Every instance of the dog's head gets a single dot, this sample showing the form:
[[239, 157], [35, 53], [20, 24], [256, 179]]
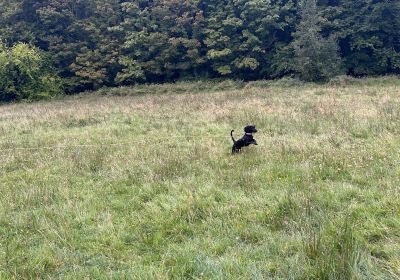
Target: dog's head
[[250, 129]]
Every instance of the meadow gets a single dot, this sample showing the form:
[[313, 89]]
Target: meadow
[[139, 183]]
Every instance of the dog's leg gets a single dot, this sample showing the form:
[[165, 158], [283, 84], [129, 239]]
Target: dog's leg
[[235, 149]]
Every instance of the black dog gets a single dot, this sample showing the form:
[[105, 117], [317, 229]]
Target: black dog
[[246, 140]]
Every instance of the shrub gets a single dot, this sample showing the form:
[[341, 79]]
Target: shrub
[[24, 74]]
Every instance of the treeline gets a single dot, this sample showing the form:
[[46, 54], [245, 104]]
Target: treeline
[[95, 43]]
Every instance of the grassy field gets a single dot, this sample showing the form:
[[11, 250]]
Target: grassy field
[[139, 183]]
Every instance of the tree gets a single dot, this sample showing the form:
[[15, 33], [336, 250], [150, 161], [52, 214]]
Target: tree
[[316, 58], [242, 36], [161, 40], [94, 43], [25, 75], [77, 35], [368, 33]]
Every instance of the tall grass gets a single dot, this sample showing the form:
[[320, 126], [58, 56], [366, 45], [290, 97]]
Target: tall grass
[[142, 185]]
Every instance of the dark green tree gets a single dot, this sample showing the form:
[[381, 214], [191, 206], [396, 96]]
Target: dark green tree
[[78, 37], [242, 36], [160, 40], [315, 58], [368, 32]]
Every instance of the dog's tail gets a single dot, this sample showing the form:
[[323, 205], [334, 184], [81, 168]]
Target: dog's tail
[[233, 139]]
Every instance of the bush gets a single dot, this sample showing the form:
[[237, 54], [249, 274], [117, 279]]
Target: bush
[[24, 74]]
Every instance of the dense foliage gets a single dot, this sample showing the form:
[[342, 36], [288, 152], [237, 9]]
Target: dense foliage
[[25, 75], [119, 42], [315, 58]]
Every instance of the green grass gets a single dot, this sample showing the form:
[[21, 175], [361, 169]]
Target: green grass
[[139, 183]]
